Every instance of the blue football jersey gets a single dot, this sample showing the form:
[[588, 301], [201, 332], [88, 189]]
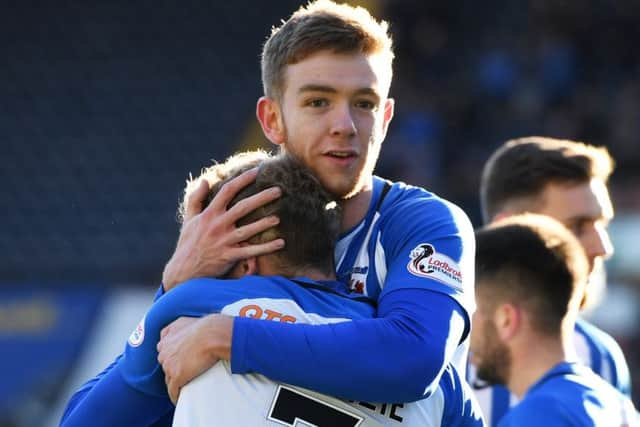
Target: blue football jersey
[[268, 298], [571, 395], [410, 238]]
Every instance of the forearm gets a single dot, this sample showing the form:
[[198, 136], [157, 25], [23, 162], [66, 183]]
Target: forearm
[[111, 401], [77, 397], [397, 357]]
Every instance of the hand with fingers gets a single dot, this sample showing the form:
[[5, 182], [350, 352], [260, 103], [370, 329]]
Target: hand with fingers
[[188, 347], [210, 243]]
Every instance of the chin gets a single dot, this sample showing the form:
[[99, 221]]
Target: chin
[[342, 190], [346, 195], [490, 375]]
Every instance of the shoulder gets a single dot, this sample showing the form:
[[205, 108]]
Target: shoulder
[[198, 297], [602, 353], [404, 194], [407, 203], [596, 336], [538, 410]]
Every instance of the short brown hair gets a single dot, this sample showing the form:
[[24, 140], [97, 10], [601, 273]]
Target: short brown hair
[[310, 218], [321, 25], [534, 261], [521, 168], [233, 166]]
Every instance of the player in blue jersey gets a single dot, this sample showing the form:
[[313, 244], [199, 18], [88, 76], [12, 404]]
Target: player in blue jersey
[[566, 180], [326, 76], [132, 391], [531, 272]]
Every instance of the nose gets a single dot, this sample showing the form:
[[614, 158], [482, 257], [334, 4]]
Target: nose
[[597, 243], [342, 121]]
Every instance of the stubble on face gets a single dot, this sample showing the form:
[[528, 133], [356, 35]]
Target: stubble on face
[[349, 186], [494, 359], [309, 134]]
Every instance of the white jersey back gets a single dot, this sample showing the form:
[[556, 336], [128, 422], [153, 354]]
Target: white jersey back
[[218, 398]]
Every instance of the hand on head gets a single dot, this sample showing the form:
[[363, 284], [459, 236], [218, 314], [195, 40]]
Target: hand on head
[[209, 242]]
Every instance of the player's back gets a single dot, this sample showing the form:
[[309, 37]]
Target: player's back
[[572, 395], [219, 398]]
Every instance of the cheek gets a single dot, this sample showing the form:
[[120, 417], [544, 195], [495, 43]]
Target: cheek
[[301, 134], [476, 336], [372, 128]]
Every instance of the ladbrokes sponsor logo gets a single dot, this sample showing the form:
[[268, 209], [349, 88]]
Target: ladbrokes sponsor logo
[[426, 262]]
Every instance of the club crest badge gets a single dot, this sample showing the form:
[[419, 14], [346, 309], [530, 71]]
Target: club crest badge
[[137, 336], [424, 261]]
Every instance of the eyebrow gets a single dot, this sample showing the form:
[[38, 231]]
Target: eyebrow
[[329, 89], [316, 88], [587, 218]]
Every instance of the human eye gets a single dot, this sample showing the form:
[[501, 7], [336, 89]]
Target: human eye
[[317, 102], [576, 227], [366, 104]]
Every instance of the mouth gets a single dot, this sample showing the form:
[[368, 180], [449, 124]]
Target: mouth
[[341, 154]]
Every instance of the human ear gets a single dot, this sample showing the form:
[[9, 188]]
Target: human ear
[[389, 107], [507, 319], [244, 267], [269, 115], [249, 266]]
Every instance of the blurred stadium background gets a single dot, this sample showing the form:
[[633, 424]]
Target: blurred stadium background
[[106, 107]]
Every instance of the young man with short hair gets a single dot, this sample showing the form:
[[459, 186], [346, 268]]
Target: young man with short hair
[[566, 180], [531, 272], [327, 72]]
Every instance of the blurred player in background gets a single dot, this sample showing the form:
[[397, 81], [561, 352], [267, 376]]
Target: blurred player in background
[[133, 392], [531, 273], [326, 75], [566, 180]]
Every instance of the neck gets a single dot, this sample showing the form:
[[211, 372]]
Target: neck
[[533, 357], [355, 208], [315, 274], [266, 266]]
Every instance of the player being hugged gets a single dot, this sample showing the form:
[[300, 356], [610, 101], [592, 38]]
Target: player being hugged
[[296, 286]]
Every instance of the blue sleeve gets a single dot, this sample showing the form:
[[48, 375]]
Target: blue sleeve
[[137, 372], [432, 248], [461, 407], [195, 298], [396, 357], [159, 293], [110, 401], [85, 388]]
